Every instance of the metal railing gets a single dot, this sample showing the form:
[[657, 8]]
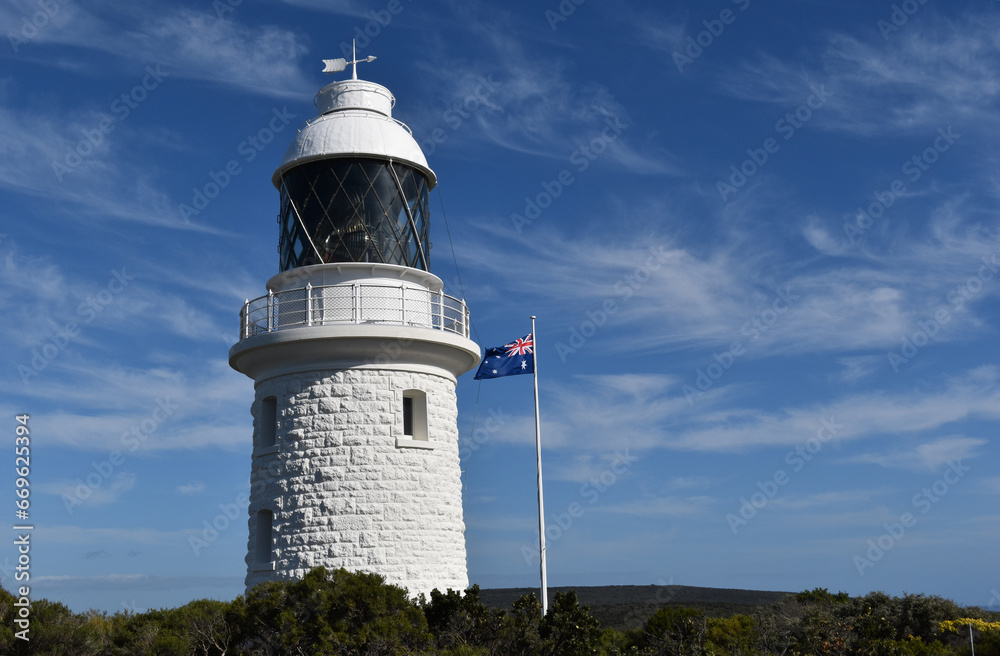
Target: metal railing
[[354, 303]]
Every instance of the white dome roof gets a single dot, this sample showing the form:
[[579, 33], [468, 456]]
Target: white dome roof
[[357, 123]]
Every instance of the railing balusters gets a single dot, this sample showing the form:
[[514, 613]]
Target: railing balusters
[[440, 307], [402, 303], [309, 313], [270, 310]]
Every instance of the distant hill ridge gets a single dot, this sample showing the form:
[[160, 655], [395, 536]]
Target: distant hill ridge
[[619, 595]]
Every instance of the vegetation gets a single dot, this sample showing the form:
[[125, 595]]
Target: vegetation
[[346, 614]]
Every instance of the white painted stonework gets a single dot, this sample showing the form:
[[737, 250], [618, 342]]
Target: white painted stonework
[[336, 345], [346, 491]]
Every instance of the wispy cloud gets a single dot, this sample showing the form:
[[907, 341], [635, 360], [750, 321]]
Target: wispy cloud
[[196, 44], [975, 394], [71, 534], [654, 31], [54, 585], [535, 106], [712, 298], [191, 489], [857, 368], [660, 418], [140, 411], [927, 456], [109, 492], [107, 184], [351, 8], [940, 72], [40, 300], [670, 506]]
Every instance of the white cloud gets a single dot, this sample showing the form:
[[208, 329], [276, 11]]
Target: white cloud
[[70, 534], [659, 417], [671, 295], [857, 368], [104, 185], [104, 408], [110, 488], [838, 499], [534, 107], [689, 299], [669, 506], [816, 233], [939, 73], [188, 43], [689, 482], [350, 8], [926, 456], [973, 395], [55, 585], [191, 489], [664, 35]]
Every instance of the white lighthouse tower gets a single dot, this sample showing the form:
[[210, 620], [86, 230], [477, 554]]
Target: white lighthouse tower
[[354, 353]]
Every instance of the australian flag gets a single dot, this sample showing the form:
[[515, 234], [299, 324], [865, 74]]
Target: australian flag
[[518, 357]]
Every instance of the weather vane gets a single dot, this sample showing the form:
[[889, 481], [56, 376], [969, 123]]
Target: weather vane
[[337, 65]]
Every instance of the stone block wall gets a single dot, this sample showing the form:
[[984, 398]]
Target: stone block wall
[[341, 491]]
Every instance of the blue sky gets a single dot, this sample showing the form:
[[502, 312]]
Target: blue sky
[[761, 240]]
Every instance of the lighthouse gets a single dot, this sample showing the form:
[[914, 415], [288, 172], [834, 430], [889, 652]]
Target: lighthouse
[[354, 352]]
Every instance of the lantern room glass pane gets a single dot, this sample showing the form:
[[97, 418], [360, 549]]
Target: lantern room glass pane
[[351, 210]]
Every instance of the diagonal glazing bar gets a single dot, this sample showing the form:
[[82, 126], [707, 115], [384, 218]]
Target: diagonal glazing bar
[[302, 223], [409, 217]]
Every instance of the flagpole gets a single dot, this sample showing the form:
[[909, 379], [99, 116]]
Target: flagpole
[[538, 457]]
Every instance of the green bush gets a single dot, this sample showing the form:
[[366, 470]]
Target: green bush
[[675, 631], [353, 614]]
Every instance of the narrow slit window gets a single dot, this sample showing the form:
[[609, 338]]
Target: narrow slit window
[[408, 416], [268, 422], [415, 415], [265, 527]]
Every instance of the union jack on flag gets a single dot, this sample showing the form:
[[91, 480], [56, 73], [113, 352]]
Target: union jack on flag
[[520, 347], [518, 357]]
